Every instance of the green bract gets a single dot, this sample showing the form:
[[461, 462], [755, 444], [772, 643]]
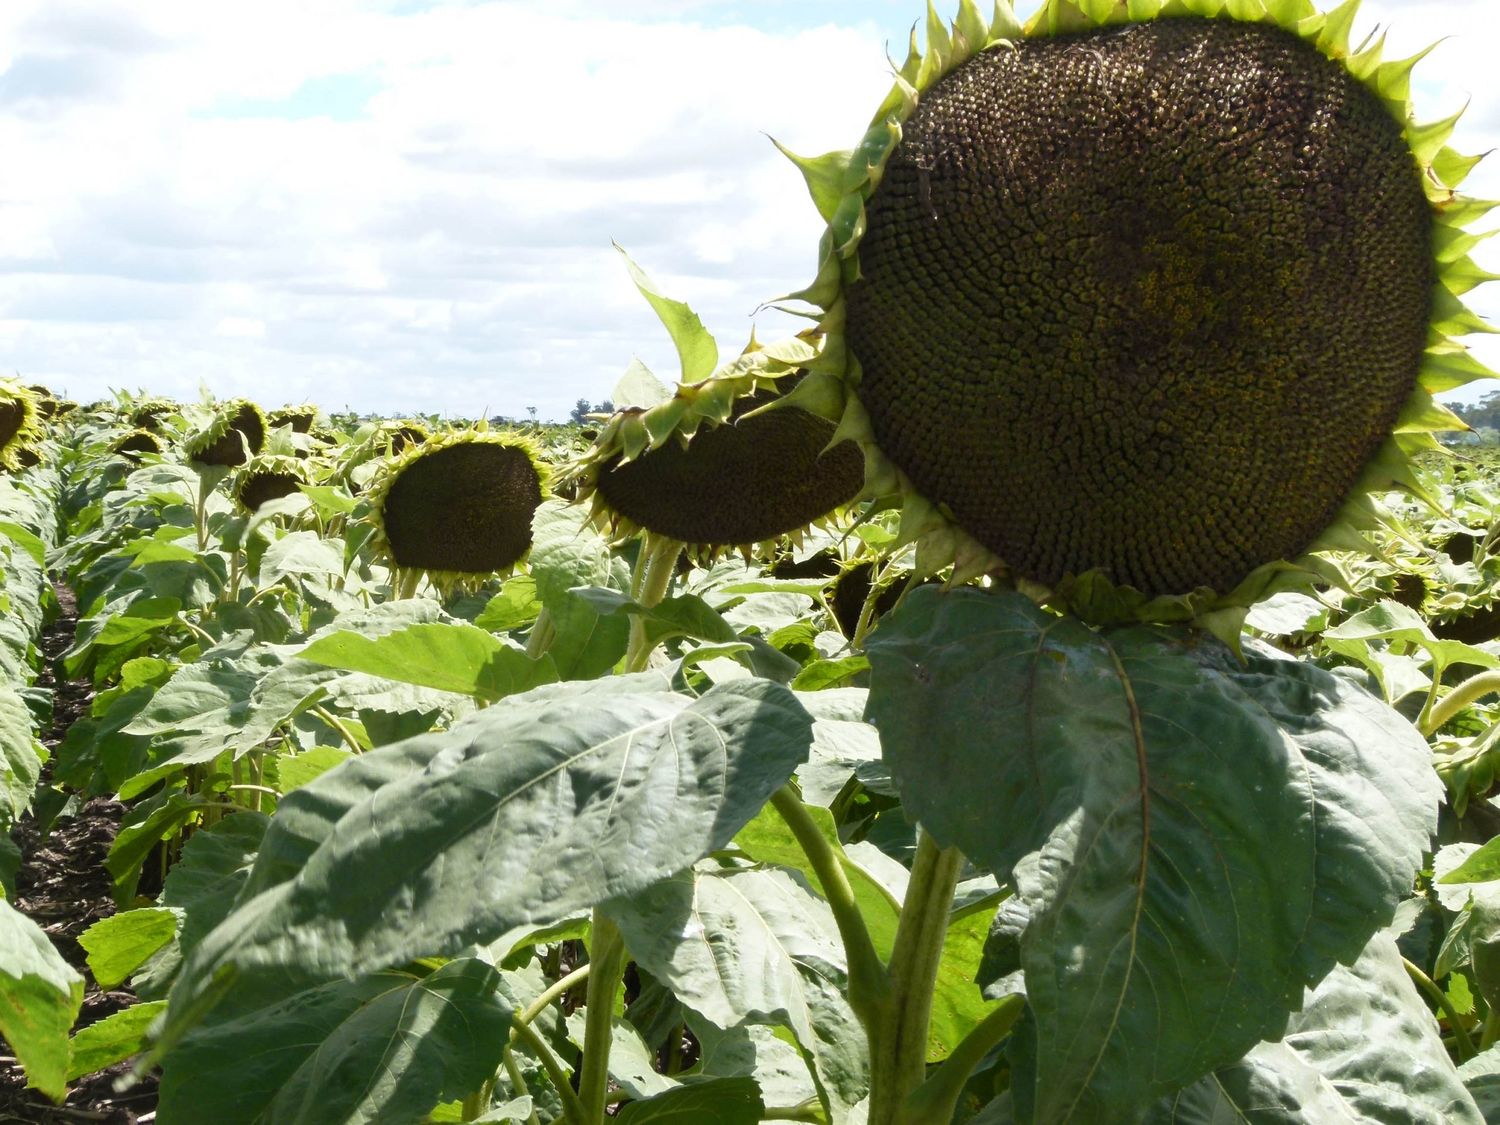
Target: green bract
[[1140, 302]]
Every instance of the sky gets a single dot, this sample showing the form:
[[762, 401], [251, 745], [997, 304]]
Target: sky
[[407, 206]]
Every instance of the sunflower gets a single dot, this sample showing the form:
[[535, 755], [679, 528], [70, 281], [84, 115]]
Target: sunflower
[[758, 475], [234, 435], [457, 508], [20, 425], [299, 419], [137, 441], [1141, 303], [264, 478]]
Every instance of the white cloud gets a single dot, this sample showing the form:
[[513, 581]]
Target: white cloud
[[194, 192]]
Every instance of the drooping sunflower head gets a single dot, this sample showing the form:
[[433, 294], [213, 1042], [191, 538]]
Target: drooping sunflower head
[[269, 476], [458, 507], [148, 415], [137, 441], [20, 424], [299, 419], [234, 434], [404, 435], [1140, 302], [729, 458], [750, 478]]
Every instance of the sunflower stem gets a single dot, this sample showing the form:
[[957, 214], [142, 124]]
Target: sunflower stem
[[653, 577], [1438, 714], [869, 986], [898, 1043], [607, 955]]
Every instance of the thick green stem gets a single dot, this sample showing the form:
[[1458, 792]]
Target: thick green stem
[[1442, 712], [405, 583], [543, 633], [937, 1098], [649, 585], [869, 987], [607, 954], [898, 1046], [866, 620], [1491, 1030], [1466, 1049]]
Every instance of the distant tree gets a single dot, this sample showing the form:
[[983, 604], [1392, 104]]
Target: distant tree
[[532, 411], [581, 410]]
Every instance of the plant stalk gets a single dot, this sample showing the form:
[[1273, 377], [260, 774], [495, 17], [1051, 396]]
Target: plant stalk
[[937, 1098], [1444, 710], [653, 577], [1465, 1045], [607, 955], [898, 1044], [869, 986]]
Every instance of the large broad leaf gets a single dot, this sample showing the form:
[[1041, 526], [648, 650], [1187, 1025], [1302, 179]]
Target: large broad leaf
[[457, 657], [763, 949], [567, 553], [1196, 839], [40, 995], [1364, 1048], [388, 1047], [521, 815]]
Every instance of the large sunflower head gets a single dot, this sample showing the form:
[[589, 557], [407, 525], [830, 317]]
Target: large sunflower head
[[21, 425], [1140, 302], [232, 436], [458, 507]]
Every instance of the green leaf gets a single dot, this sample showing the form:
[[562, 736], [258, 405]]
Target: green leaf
[[567, 553], [514, 607], [1197, 839], [685, 616], [521, 815], [761, 918], [20, 764], [699, 353], [145, 826], [297, 770], [638, 387], [1483, 866], [449, 657], [388, 1047], [214, 865], [122, 943], [1397, 624], [146, 616], [821, 675], [328, 500], [40, 996], [113, 1039], [716, 1101], [26, 540], [1364, 1048]]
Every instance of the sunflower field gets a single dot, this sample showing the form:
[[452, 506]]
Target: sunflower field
[[1059, 685]]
